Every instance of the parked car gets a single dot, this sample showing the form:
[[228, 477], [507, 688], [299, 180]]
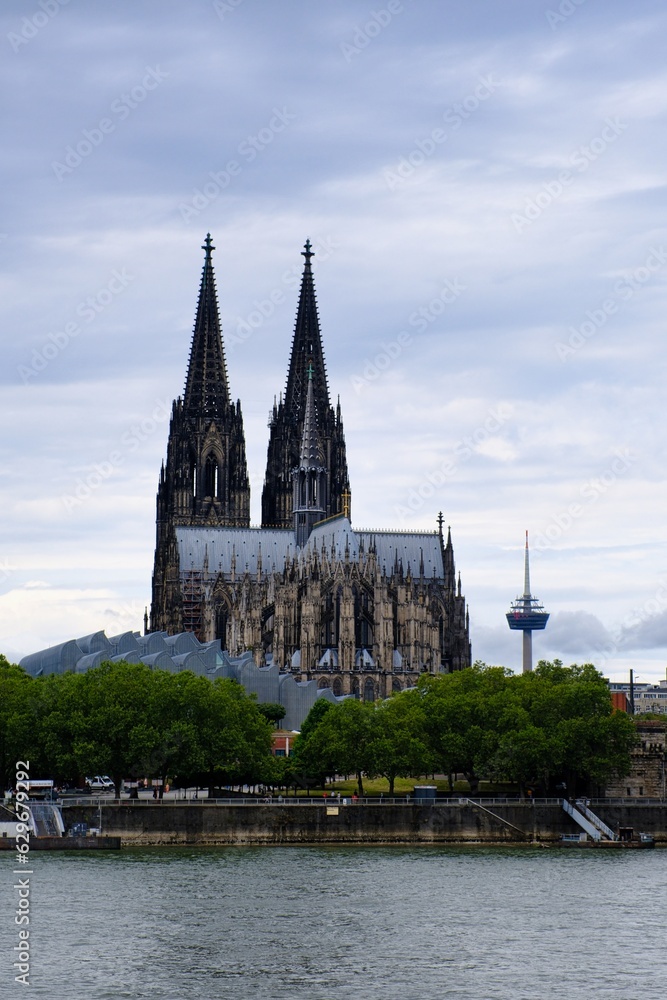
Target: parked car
[[100, 783]]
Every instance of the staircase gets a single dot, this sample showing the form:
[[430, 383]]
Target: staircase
[[588, 821], [605, 830], [47, 820]]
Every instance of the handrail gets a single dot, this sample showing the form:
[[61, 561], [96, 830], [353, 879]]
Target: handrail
[[595, 820], [506, 822], [404, 800]]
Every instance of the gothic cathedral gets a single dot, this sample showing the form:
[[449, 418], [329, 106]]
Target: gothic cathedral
[[362, 612]]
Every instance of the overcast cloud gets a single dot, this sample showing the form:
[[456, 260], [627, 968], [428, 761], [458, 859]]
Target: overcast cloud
[[485, 186]]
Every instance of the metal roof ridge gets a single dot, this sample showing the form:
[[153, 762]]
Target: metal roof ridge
[[394, 531]]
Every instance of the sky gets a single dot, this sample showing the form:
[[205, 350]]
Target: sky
[[484, 186]]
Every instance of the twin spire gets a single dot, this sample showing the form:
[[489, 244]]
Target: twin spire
[[305, 430]]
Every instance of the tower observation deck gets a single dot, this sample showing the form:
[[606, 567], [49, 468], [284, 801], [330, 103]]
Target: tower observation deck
[[527, 615]]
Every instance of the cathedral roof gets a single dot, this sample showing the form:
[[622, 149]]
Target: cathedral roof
[[408, 548], [206, 385], [244, 548], [405, 547], [225, 549]]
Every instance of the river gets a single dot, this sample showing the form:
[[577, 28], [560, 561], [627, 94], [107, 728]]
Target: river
[[369, 923]]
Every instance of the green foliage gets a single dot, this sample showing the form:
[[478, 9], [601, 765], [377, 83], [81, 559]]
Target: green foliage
[[553, 726], [398, 745], [540, 729], [16, 720], [336, 740], [316, 714], [272, 711], [129, 721]]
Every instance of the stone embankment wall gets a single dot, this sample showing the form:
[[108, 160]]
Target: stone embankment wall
[[278, 823]]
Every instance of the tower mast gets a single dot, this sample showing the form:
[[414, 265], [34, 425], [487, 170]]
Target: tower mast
[[527, 615]]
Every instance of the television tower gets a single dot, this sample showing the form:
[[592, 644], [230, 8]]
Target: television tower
[[527, 615]]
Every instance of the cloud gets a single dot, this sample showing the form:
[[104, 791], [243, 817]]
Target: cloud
[[578, 633], [648, 633], [323, 176]]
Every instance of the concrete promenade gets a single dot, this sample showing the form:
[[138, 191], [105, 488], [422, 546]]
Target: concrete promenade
[[327, 821]]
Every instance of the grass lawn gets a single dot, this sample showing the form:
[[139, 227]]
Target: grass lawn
[[404, 786]]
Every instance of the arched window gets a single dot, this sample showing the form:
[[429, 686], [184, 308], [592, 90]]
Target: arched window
[[369, 690], [396, 684], [211, 477], [337, 687], [322, 683]]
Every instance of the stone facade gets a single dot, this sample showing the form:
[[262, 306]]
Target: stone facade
[[647, 774], [361, 612]]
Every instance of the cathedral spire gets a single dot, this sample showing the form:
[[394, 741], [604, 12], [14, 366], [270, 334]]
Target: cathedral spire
[[310, 478], [204, 482], [307, 352], [206, 385], [311, 450], [287, 420]]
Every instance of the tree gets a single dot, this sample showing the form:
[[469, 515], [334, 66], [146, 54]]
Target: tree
[[234, 737], [398, 745], [173, 707], [118, 735], [340, 741], [309, 766], [465, 712], [272, 711], [61, 726], [17, 731]]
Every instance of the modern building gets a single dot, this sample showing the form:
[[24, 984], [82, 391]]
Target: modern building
[[175, 653], [642, 697], [361, 612]]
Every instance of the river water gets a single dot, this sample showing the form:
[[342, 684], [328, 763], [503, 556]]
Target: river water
[[369, 923]]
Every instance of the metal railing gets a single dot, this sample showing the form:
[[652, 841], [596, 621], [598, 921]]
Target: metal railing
[[454, 799], [277, 800]]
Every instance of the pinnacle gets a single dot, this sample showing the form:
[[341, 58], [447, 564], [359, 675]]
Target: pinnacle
[[306, 350], [206, 388]]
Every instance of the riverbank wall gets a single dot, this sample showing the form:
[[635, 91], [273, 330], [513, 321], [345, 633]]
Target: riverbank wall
[[320, 822]]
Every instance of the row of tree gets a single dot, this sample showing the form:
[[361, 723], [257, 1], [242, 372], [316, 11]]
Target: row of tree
[[129, 721], [548, 729]]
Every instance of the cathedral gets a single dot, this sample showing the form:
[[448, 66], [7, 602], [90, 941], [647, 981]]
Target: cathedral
[[361, 612]]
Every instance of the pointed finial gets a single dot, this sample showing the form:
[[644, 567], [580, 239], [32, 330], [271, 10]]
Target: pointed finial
[[526, 572], [307, 252], [207, 245], [440, 522]]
